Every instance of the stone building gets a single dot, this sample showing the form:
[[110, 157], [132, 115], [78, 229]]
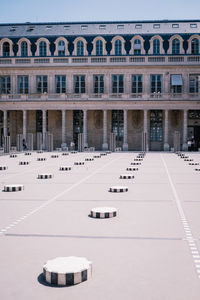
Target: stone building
[[133, 79]]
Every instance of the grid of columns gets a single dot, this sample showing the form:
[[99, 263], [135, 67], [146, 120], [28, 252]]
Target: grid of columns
[[105, 127]]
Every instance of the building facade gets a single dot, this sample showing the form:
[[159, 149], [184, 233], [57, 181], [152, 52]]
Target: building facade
[[97, 78]]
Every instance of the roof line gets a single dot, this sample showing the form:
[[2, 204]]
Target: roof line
[[101, 22]]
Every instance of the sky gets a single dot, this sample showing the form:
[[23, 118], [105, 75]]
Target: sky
[[19, 11]]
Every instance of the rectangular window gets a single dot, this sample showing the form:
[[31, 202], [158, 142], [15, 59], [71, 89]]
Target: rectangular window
[[67, 27], [79, 84], [42, 84], [156, 84], [156, 128], [194, 83], [138, 26], [5, 86], [84, 27], [60, 84], [156, 26], [103, 27], [136, 84], [117, 84], [98, 84], [23, 84], [175, 25], [120, 26], [193, 25], [176, 83]]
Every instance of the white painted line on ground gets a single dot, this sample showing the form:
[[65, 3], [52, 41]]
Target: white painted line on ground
[[188, 233], [59, 195]]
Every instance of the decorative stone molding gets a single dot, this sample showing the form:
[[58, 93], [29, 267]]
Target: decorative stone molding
[[6, 40], [94, 45], [66, 45], [177, 36], [37, 53], [28, 46], [118, 37], [137, 37], [85, 52], [156, 37], [195, 36]]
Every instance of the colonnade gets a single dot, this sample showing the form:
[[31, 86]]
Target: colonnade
[[105, 127]]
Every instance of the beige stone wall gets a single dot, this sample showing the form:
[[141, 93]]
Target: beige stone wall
[[175, 124], [135, 129], [95, 129], [55, 126]]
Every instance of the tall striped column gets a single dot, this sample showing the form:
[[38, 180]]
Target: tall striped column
[[5, 123], [166, 131], [63, 126], [185, 130], [24, 124], [125, 138], [44, 127], [105, 130], [85, 134]]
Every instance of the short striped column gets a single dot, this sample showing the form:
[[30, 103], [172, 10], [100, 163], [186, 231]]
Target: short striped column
[[45, 176], [65, 271], [27, 153], [132, 169], [24, 163], [126, 176], [65, 168], [103, 212], [79, 163], [13, 187], [13, 155], [3, 168], [41, 159], [118, 189]]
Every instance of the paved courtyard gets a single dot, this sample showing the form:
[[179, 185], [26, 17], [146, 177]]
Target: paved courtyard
[[150, 251]]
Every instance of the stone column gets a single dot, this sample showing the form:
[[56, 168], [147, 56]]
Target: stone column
[[146, 85], [105, 130], [44, 127], [5, 123], [125, 144], [24, 124], [146, 127], [85, 143], [63, 126], [166, 131], [51, 84], [185, 130]]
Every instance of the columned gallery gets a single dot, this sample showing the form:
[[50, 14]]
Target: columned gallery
[[99, 79]]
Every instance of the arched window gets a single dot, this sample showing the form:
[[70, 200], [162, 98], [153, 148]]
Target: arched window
[[156, 47], [118, 47], [24, 49], [175, 46], [80, 48], [43, 49], [137, 47], [99, 47], [195, 46], [6, 49], [61, 48]]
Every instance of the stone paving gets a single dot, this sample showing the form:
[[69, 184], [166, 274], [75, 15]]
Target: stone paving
[[149, 251]]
